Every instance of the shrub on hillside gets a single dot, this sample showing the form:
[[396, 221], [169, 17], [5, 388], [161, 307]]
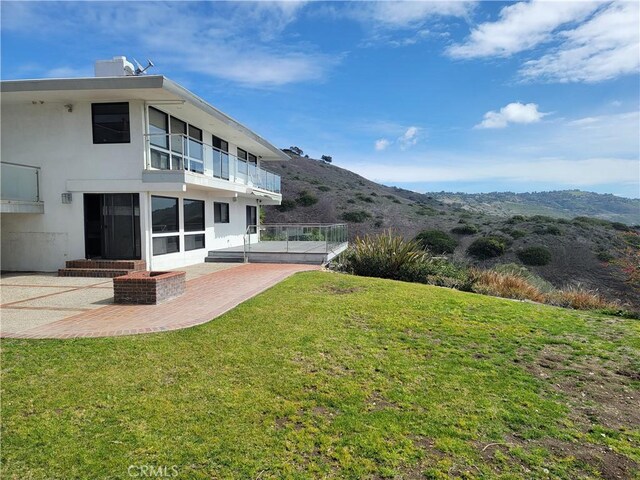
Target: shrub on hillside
[[487, 247], [537, 255], [547, 230], [355, 216], [505, 285], [516, 219], [286, 205], [390, 256], [581, 299], [306, 199], [436, 241], [523, 272], [324, 188], [384, 256], [466, 229]]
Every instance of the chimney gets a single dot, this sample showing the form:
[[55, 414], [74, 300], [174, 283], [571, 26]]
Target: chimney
[[116, 67]]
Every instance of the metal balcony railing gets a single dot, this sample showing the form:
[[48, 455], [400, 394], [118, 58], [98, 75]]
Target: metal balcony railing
[[296, 238], [20, 182], [180, 152]]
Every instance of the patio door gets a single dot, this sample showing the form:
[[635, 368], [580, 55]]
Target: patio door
[[112, 226]]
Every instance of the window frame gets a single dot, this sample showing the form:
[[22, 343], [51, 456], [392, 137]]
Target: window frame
[[93, 123], [217, 216]]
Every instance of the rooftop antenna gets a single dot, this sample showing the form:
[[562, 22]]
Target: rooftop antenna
[[140, 70]]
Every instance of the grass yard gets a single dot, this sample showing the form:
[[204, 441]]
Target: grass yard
[[329, 375]]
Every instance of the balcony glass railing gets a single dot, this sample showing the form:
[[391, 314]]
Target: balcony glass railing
[[20, 182], [179, 152], [299, 238]]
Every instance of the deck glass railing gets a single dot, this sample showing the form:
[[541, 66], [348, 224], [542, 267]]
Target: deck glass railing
[[299, 238], [20, 182], [180, 152]]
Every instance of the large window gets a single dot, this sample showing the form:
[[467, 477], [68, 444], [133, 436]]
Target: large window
[[110, 122], [193, 215], [220, 212], [252, 219], [164, 214], [193, 222], [175, 145], [164, 219], [220, 157]]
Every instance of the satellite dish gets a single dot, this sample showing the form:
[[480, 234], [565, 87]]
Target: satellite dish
[[139, 69]]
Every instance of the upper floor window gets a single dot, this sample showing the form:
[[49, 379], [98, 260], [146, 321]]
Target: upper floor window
[[110, 122], [220, 144], [242, 154], [252, 158]]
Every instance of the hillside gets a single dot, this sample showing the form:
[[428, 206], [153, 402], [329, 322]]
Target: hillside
[[595, 253], [560, 204]]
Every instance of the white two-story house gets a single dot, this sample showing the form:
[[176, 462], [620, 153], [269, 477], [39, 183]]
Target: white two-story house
[[121, 166]]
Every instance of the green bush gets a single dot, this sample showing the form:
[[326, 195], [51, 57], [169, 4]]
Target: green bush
[[306, 199], [466, 229], [390, 256], [604, 256], [487, 247], [537, 255], [286, 205], [385, 256], [364, 198], [324, 188], [516, 219], [515, 233], [356, 216], [547, 230], [436, 241], [622, 227]]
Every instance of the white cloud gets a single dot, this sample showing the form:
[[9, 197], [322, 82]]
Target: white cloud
[[381, 144], [244, 49], [521, 26], [605, 47], [513, 113], [584, 41], [409, 138], [407, 14]]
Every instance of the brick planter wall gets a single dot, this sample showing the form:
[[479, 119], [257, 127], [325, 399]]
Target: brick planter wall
[[148, 288]]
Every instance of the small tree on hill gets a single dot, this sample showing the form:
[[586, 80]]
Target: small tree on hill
[[296, 150], [327, 158]]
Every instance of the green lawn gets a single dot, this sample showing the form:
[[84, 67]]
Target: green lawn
[[328, 375]]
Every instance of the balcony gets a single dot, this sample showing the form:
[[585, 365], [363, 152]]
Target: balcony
[[180, 153], [287, 243], [20, 189]]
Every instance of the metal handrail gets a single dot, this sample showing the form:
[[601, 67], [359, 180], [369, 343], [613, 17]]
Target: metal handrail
[[247, 173]]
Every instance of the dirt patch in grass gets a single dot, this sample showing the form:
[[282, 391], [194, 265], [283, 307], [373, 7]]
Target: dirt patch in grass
[[584, 458], [339, 290], [377, 402], [597, 391]]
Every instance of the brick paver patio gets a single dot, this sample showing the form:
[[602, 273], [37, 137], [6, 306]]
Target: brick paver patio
[[207, 296]]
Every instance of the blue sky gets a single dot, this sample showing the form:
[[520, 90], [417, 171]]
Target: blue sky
[[456, 96]]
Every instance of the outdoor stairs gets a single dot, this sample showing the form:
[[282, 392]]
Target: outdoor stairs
[[101, 268], [218, 256]]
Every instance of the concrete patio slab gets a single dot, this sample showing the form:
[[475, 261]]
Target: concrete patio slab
[[48, 279], [15, 293], [89, 311], [16, 320]]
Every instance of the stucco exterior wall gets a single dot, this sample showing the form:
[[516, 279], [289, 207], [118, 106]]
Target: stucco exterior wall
[[61, 143]]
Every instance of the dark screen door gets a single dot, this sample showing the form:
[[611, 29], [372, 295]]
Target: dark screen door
[[112, 226]]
